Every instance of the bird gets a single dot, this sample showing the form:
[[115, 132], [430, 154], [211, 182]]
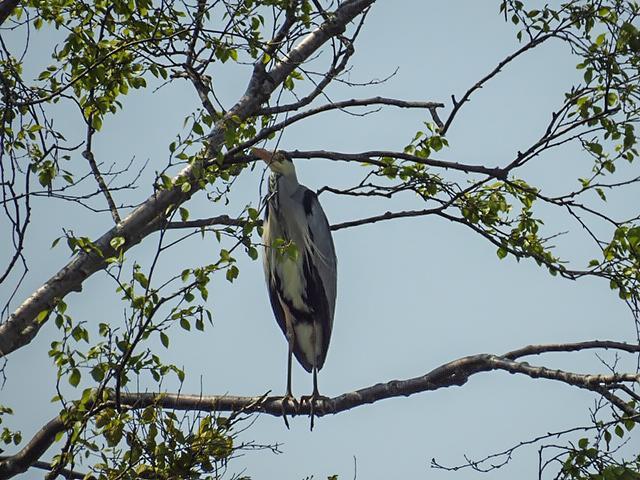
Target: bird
[[302, 286]]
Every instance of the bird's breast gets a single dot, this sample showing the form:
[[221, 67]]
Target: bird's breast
[[292, 281]]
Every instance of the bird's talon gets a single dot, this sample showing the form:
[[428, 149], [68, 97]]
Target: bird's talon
[[314, 400], [286, 400]]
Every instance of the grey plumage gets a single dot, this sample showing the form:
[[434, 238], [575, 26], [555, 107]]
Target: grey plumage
[[302, 287]]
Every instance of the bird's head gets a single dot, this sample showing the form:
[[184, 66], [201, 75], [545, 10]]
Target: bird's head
[[278, 161]]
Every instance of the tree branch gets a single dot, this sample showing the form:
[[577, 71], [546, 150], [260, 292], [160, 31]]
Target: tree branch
[[32, 451], [207, 222], [571, 347], [65, 472], [340, 61], [88, 154], [238, 222], [385, 216], [465, 98], [368, 157], [454, 373], [265, 132]]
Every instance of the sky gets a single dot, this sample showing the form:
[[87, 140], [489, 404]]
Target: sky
[[412, 294]]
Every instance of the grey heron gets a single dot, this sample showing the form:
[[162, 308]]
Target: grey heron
[[302, 287]]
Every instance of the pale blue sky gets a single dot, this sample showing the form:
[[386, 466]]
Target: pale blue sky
[[412, 294]]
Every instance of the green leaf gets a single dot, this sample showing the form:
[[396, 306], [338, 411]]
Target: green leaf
[[116, 242], [232, 273], [141, 279], [97, 373], [164, 339], [96, 122], [42, 316], [144, 471], [253, 213], [629, 424], [74, 378], [501, 252]]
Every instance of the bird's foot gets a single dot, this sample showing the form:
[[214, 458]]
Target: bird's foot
[[314, 400], [287, 400]]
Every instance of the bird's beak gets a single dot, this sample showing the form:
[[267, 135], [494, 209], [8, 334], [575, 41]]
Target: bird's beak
[[265, 155]]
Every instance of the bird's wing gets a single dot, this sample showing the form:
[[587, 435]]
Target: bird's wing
[[320, 247], [273, 285], [273, 279]]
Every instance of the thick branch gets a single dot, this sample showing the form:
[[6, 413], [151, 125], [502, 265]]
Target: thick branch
[[67, 473], [456, 372], [22, 326], [453, 373], [32, 451]]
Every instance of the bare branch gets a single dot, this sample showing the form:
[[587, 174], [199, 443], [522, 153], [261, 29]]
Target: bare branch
[[202, 89], [370, 156], [499, 459], [265, 132], [571, 347], [340, 61], [207, 222], [88, 154], [385, 216], [465, 98]]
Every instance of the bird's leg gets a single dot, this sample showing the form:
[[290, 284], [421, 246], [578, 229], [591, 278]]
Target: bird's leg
[[288, 398], [316, 393], [314, 397], [289, 392]]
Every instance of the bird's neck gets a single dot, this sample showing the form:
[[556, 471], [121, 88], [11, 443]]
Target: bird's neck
[[284, 184]]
